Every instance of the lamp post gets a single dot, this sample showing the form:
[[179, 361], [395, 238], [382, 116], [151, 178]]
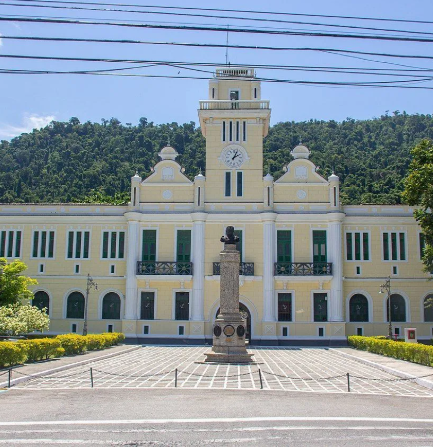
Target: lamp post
[[90, 285], [386, 287]]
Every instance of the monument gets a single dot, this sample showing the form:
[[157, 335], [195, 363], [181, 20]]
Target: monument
[[229, 328]]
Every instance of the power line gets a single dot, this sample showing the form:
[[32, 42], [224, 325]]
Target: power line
[[240, 11], [177, 14], [214, 29], [211, 45]]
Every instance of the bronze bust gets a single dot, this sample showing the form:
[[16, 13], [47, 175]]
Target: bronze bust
[[230, 237]]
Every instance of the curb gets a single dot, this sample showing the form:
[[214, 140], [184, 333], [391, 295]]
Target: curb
[[422, 382], [65, 367]]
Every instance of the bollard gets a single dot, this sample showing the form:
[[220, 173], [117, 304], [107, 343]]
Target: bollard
[[91, 377], [9, 377], [175, 378], [260, 377], [348, 383]]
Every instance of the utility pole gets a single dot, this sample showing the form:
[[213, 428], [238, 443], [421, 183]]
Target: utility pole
[[386, 287], [90, 285]]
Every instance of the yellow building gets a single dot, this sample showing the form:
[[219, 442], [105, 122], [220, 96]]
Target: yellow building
[[311, 269]]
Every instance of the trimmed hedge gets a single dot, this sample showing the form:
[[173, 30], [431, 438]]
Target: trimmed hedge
[[412, 352], [14, 353]]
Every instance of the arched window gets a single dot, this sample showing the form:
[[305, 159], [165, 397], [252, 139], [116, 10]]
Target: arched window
[[428, 308], [75, 305], [111, 306], [41, 300], [398, 308], [358, 308]]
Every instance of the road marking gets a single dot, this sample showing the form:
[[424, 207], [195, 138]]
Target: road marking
[[216, 420]]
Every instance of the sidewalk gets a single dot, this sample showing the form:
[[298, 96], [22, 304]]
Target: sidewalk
[[400, 368], [19, 372]]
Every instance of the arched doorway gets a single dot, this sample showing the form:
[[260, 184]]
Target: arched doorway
[[246, 314]]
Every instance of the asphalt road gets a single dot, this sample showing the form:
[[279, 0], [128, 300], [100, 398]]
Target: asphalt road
[[128, 417]]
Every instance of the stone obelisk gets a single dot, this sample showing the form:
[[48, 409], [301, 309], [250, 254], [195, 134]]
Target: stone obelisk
[[229, 328]]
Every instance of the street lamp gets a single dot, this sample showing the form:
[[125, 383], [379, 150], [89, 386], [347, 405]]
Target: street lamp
[[386, 287], [90, 285]]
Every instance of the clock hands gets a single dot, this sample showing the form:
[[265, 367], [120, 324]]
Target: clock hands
[[236, 155]]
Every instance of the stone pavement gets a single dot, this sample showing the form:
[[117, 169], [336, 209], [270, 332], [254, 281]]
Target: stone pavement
[[286, 369]]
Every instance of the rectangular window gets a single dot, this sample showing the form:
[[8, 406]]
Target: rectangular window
[[78, 245], [284, 246], [110, 328], [146, 330], [181, 330], [394, 246], [74, 328], [285, 331], [239, 184], [149, 245], [147, 306], [228, 184], [10, 244], [359, 331], [284, 307], [255, 92], [319, 246], [182, 306], [244, 130], [43, 244], [230, 130], [183, 252], [357, 248], [113, 244], [237, 130], [224, 131], [320, 307], [321, 331]]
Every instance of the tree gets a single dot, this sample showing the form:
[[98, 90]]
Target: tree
[[419, 192], [14, 287], [18, 319]]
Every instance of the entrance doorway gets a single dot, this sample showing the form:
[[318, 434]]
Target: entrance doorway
[[246, 315]]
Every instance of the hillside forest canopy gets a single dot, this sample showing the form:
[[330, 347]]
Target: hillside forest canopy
[[93, 162]]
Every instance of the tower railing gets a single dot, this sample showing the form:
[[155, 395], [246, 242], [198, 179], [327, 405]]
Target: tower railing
[[240, 104]]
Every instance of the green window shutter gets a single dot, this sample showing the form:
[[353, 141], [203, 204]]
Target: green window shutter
[[284, 246], [320, 307], [78, 236], [43, 244], [284, 307], [86, 244], [228, 184], [239, 184], [10, 244], [70, 244], [319, 246], [18, 245], [35, 244], [357, 246], [105, 244], [239, 244], [182, 306], [365, 246], [394, 246], [149, 245], [402, 247], [113, 245], [51, 245], [349, 250], [147, 311], [183, 252], [385, 244], [121, 244], [2, 244]]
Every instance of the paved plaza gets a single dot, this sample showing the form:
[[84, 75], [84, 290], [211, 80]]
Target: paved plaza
[[286, 369]]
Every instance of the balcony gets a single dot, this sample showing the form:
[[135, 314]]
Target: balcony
[[235, 72], [164, 268], [215, 104], [245, 268], [303, 269]]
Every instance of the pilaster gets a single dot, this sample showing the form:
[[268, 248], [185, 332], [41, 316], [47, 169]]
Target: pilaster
[[268, 265], [198, 251], [335, 255], [131, 267]]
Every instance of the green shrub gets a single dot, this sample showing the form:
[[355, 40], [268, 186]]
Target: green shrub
[[94, 341], [42, 349], [412, 352], [12, 354], [72, 343]]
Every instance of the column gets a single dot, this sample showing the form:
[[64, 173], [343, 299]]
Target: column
[[268, 265], [198, 248], [131, 269], [335, 255]]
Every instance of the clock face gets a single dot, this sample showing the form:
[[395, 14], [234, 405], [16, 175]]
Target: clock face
[[233, 156]]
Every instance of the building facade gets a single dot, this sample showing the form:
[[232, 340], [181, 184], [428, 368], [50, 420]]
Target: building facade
[[310, 270]]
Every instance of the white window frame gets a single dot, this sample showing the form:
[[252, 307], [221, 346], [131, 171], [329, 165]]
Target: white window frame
[[108, 258], [327, 292], [14, 244], [231, 184], [155, 303], [40, 244], [398, 246], [74, 244], [292, 292], [173, 305], [352, 232], [242, 176]]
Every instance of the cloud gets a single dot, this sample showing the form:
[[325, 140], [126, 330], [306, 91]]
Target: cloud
[[29, 122]]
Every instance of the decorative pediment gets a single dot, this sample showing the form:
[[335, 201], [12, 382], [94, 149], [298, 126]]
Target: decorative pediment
[[301, 170]]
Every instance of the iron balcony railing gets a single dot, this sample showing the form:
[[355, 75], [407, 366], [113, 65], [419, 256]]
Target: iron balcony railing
[[164, 268], [302, 268], [245, 268], [228, 104]]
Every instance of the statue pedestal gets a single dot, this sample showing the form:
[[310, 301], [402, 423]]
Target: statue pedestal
[[229, 328]]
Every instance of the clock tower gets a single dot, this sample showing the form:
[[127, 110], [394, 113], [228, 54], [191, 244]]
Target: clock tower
[[234, 121]]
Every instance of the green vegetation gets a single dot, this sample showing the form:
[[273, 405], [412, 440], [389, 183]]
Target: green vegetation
[[91, 162], [412, 352], [419, 191], [14, 353], [14, 287]]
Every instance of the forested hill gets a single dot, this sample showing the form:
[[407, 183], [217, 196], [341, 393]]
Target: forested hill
[[92, 162]]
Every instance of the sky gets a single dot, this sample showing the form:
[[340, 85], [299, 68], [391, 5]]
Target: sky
[[30, 101]]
